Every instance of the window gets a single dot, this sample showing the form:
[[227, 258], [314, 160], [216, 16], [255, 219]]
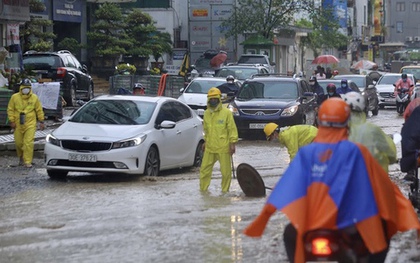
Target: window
[[400, 6], [416, 6], [399, 27]]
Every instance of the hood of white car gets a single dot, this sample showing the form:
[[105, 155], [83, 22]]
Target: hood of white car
[[385, 88], [194, 99], [97, 132]]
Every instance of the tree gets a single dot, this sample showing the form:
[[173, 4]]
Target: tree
[[161, 44], [324, 33], [34, 37], [263, 16]]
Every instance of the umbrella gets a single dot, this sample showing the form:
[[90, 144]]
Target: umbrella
[[364, 64], [219, 59], [325, 59], [185, 66]]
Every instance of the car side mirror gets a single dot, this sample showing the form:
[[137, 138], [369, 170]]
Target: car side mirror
[[307, 96], [273, 63], [84, 68]]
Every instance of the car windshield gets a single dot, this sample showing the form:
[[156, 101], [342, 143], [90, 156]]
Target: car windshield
[[125, 112], [388, 79], [203, 86], [324, 84], [414, 71], [237, 73], [268, 90], [251, 60], [41, 62], [360, 82]]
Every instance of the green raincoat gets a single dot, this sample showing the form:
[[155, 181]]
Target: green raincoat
[[297, 136]]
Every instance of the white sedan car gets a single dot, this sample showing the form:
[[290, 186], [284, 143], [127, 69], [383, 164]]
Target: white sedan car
[[385, 88], [126, 134]]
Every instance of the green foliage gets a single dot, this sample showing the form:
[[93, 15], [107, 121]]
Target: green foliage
[[161, 43], [125, 68], [70, 44], [36, 6], [34, 36], [262, 17]]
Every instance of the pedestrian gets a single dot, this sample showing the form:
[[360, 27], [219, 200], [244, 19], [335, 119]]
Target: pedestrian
[[291, 137], [328, 73], [336, 184], [220, 136], [332, 91], [321, 73], [410, 107], [24, 111], [344, 87], [139, 89], [380, 145]]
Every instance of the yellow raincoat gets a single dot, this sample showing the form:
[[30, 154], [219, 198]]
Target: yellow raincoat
[[297, 136], [380, 145], [220, 133], [24, 134]]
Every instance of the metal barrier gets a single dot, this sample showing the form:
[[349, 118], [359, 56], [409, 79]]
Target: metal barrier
[[123, 84]]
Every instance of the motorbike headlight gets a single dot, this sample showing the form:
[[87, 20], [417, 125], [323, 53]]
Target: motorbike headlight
[[290, 111], [129, 143], [51, 139]]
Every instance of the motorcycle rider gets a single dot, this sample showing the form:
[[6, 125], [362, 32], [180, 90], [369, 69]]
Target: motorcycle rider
[[380, 145], [334, 183], [229, 87], [292, 137], [344, 88], [410, 144], [410, 107], [403, 85], [332, 91], [317, 89]]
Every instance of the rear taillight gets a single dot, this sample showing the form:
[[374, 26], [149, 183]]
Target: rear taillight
[[61, 72], [321, 247]]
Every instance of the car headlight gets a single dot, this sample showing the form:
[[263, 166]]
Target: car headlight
[[290, 111], [234, 110], [51, 139], [129, 143]]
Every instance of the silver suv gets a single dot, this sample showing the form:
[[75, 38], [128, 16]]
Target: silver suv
[[257, 59]]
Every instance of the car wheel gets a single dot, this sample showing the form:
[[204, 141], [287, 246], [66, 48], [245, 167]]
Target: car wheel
[[90, 92], [151, 167], [57, 174], [71, 99], [198, 157]]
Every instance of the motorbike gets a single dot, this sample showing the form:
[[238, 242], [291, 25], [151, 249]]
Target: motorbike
[[321, 245], [402, 100]]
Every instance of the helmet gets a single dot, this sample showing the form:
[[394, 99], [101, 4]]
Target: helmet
[[331, 88], [269, 129], [25, 82], [312, 78], [334, 112], [355, 100], [138, 86], [335, 72], [230, 77], [344, 81], [404, 76], [214, 93]]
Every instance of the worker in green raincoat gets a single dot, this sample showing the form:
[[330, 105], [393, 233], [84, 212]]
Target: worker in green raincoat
[[380, 145], [220, 135], [24, 110], [292, 137]]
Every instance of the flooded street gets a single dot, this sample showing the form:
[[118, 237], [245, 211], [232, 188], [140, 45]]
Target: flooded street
[[114, 218]]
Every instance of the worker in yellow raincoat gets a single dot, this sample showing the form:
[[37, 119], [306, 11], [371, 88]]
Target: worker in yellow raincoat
[[220, 135], [24, 110], [380, 145], [292, 137]]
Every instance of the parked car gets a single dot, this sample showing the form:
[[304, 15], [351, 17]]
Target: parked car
[[385, 88], [126, 134], [195, 94], [257, 59], [61, 66], [241, 72], [369, 91], [262, 99]]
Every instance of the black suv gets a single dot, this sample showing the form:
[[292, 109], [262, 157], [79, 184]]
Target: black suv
[[272, 98], [63, 67]]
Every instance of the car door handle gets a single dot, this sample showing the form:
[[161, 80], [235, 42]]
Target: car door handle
[[178, 132]]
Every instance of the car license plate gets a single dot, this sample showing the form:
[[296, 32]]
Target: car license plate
[[257, 125], [200, 112], [390, 100], [82, 157]]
